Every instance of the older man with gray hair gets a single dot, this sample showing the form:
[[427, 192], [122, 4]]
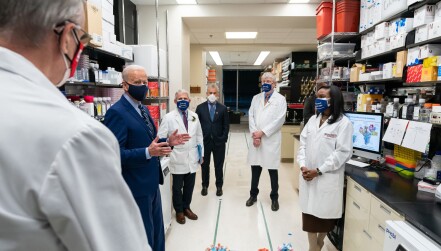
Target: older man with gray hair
[[60, 177], [185, 159]]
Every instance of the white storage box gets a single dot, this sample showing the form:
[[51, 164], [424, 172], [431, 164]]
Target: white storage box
[[421, 33], [388, 70], [370, 38], [364, 41], [108, 16], [383, 45], [424, 15], [405, 25], [126, 50], [382, 30], [434, 30], [340, 49], [397, 41], [106, 5], [393, 27], [146, 56], [376, 75], [438, 12], [391, 8], [364, 77], [363, 15], [413, 54], [430, 50], [108, 26]]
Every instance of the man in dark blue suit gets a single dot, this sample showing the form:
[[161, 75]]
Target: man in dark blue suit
[[215, 128], [140, 148]]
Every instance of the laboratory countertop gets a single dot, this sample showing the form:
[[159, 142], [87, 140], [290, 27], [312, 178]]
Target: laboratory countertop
[[292, 123], [419, 208]]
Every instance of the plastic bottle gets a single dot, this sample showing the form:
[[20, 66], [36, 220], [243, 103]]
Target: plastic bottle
[[109, 102], [383, 103], [368, 105], [436, 164], [90, 105], [97, 107], [404, 108], [417, 109], [425, 113], [410, 108], [396, 107], [389, 109], [103, 106]]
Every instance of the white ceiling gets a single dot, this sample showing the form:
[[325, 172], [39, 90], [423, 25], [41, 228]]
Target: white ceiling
[[280, 35]]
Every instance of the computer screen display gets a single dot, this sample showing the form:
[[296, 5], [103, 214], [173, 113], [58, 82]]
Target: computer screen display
[[368, 131]]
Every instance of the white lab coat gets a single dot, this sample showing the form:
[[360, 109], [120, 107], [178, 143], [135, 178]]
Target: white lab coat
[[269, 118], [61, 186], [184, 158], [327, 148]]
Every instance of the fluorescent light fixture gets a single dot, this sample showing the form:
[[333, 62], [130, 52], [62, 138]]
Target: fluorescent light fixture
[[299, 1], [240, 35], [261, 57], [217, 59], [186, 1]]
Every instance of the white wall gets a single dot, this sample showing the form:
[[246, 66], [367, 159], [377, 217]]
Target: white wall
[[197, 68]]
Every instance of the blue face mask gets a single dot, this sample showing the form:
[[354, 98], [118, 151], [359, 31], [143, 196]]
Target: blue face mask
[[321, 104], [183, 104], [266, 87], [138, 92]]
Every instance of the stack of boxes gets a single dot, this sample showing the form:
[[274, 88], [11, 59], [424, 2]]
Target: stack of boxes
[[370, 13], [428, 22], [93, 14], [423, 63]]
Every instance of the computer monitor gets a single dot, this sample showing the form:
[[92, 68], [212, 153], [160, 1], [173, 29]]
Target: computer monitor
[[368, 132]]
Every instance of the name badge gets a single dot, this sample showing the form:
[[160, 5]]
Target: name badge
[[330, 135]]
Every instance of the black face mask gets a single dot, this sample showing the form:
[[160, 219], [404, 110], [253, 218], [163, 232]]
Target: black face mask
[[138, 92]]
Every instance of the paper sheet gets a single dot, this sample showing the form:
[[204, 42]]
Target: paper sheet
[[395, 131], [417, 136], [357, 163]]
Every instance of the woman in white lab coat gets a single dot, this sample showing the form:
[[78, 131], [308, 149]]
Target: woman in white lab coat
[[325, 146], [266, 117], [185, 159]]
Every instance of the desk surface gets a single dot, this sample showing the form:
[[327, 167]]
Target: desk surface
[[419, 208]]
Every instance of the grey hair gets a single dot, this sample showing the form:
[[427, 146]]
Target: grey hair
[[182, 91], [130, 68], [213, 85], [269, 75], [29, 21]]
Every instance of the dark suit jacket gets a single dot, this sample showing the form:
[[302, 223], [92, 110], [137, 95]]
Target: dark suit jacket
[[309, 109], [218, 129], [142, 175]]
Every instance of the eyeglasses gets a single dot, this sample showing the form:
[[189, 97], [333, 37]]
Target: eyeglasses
[[83, 39], [139, 82]]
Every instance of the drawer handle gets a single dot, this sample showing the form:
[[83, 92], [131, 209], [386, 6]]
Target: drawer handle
[[380, 227], [356, 205], [368, 235], [385, 209], [356, 187]]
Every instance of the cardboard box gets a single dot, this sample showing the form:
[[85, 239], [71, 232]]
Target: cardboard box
[[424, 15], [401, 62], [434, 30], [422, 33], [414, 73], [362, 99], [431, 61], [429, 74], [388, 70], [430, 50], [413, 56], [93, 23], [355, 72], [393, 27], [405, 26], [382, 30]]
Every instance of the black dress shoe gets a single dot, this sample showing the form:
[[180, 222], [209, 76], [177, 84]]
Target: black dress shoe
[[219, 191], [251, 201], [275, 205], [204, 191]]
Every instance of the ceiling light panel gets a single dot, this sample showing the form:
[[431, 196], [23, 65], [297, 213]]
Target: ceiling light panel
[[261, 57], [240, 35], [216, 57]]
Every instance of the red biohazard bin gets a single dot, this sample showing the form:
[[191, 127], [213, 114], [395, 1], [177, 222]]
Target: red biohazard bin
[[347, 16], [324, 19]]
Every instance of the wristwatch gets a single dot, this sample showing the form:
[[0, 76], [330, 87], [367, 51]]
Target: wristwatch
[[319, 172]]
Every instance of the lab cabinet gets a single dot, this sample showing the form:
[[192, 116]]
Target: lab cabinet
[[365, 219], [288, 142]]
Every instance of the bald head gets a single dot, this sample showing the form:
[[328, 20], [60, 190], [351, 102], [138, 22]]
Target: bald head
[[132, 71]]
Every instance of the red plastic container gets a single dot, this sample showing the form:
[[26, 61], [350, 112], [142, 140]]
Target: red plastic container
[[347, 16], [324, 19]]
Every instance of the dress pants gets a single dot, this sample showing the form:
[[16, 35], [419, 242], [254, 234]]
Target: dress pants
[[183, 185], [274, 176], [151, 212], [219, 158]]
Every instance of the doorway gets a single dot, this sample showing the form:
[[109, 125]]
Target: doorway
[[240, 97]]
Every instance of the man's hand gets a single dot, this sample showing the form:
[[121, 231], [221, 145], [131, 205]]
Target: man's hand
[[256, 142], [159, 149], [308, 174], [178, 139], [258, 134]]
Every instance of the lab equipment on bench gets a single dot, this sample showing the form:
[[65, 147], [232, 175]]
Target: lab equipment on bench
[[401, 236]]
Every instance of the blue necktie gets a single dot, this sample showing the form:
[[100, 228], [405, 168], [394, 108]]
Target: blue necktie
[[212, 110], [145, 116]]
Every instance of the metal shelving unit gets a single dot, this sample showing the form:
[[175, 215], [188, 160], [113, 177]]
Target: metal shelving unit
[[92, 84], [337, 58], [332, 80], [388, 80], [339, 36], [382, 55], [422, 84], [436, 40]]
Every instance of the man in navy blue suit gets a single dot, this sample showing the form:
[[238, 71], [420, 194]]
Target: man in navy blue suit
[[140, 148]]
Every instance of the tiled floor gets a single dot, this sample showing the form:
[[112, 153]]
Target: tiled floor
[[228, 221]]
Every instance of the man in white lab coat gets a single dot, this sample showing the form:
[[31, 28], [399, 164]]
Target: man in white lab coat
[[185, 159], [60, 176], [266, 117], [325, 146]]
